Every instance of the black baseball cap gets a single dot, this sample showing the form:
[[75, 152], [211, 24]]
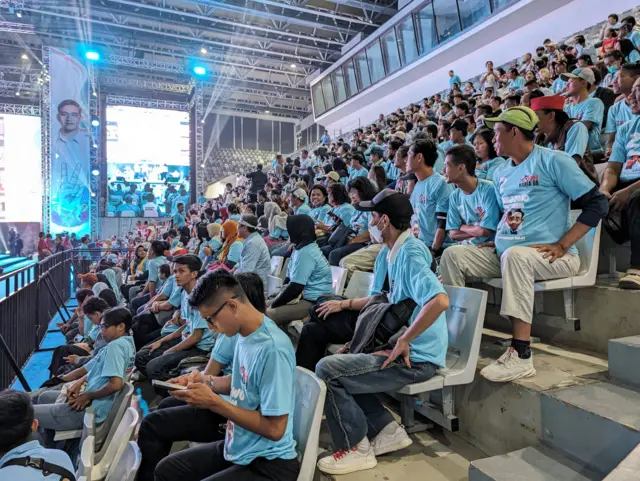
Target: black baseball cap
[[394, 204], [408, 176]]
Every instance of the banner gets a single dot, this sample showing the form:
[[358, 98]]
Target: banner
[[70, 124]]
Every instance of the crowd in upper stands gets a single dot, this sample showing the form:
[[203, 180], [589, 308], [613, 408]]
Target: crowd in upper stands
[[475, 183]]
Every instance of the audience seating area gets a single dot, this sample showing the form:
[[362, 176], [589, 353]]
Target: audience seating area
[[222, 163]]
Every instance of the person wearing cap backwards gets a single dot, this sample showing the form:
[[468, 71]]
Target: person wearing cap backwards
[[430, 197], [588, 110], [535, 188], [557, 131], [620, 112], [255, 253], [361, 428], [357, 166], [299, 202], [621, 185], [128, 206], [473, 208]]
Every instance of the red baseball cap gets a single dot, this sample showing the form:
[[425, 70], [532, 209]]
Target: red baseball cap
[[551, 102]]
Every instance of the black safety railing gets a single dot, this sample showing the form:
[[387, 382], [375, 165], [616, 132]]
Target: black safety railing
[[33, 295]]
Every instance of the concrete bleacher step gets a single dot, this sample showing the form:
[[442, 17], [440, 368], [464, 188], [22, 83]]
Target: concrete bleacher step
[[596, 423], [535, 463], [624, 359]]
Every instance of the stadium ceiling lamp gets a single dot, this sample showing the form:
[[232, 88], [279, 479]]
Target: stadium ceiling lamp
[[293, 65], [95, 146], [93, 194], [203, 51], [202, 165], [18, 93], [199, 70], [24, 56], [95, 172], [19, 14], [92, 55], [267, 111], [94, 93], [95, 122]]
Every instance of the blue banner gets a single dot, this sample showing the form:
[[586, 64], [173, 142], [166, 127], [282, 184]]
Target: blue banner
[[70, 124]]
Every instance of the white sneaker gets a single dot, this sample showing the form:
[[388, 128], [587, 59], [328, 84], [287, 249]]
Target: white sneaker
[[346, 461], [509, 367], [392, 438]]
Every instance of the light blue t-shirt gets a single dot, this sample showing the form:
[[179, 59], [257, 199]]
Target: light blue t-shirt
[[589, 110], [353, 173], [486, 169], [112, 361], [619, 114], [516, 84], [84, 252], [535, 198], [194, 321], [235, 251], [309, 267], [577, 140], [480, 208], [439, 165], [455, 80], [278, 233], [626, 150], [178, 220], [255, 257], [557, 85], [429, 196], [153, 265], [223, 352], [319, 214], [410, 277], [633, 57], [634, 36], [303, 209], [263, 378], [128, 208], [175, 296], [360, 222], [34, 449], [215, 244], [235, 217], [344, 211]]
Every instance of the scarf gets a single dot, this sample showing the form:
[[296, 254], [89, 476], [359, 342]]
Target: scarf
[[230, 228]]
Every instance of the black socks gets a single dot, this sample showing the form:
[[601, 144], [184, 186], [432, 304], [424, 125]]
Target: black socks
[[523, 348]]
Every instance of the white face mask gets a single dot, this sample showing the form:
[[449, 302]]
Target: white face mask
[[376, 233]]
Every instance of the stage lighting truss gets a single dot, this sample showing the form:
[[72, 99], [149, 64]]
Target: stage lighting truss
[[45, 124], [95, 184]]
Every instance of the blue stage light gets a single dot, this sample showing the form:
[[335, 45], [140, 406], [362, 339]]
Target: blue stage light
[[92, 55], [199, 70]]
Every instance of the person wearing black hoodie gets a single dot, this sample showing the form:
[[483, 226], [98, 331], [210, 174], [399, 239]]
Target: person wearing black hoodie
[[308, 274]]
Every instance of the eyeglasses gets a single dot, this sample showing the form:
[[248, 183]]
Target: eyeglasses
[[104, 327], [212, 317]]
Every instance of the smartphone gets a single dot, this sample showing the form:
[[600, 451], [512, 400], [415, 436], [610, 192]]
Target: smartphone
[[168, 386]]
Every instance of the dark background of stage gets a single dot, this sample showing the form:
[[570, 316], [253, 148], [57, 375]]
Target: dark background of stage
[[28, 231]]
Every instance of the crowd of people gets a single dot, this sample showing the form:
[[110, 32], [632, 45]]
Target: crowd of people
[[476, 185]]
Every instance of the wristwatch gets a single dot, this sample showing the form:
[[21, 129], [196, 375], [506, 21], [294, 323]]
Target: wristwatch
[[212, 382]]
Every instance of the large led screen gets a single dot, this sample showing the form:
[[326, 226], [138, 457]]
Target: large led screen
[[20, 169], [147, 161]]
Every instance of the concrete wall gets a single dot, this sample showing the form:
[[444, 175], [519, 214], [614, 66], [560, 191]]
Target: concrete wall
[[502, 38]]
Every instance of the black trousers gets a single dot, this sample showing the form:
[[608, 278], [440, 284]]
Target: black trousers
[[144, 325], [317, 335], [60, 352], [624, 225], [174, 421], [207, 463], [161, 366]]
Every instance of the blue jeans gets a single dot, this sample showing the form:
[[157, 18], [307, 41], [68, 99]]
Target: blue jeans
[[352, 408], [54, 417]]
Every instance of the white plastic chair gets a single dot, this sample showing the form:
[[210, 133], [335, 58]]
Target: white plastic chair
[[283, 271], [359, 285], [276, 265], [273, 285], [86, 459], [465, 318], [307, 418], [338, 279], [126, 466], [589, 252], [114, 449]]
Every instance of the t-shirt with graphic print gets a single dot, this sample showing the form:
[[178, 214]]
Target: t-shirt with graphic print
[[626, 150], [480, 208], [589, 110], [429, 196], [535, 198]]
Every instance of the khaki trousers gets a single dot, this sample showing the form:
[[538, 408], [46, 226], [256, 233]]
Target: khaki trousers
[[361, 260], [519, 268]]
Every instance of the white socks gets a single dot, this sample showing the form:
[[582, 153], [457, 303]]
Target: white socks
[[364, 446]]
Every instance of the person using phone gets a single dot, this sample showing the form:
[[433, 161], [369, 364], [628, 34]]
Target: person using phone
[[341, 211]]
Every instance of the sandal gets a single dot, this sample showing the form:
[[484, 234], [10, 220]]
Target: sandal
[[631, 280]]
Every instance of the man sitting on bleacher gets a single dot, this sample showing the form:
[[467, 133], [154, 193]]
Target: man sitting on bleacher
[[621, 185], [97, 382], [259, 395], [361, 428], [17, 423], [534, 240]]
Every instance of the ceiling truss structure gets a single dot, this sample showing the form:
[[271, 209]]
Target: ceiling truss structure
[[257, 53]]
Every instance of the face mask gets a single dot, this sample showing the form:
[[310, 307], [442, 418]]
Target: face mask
[[376, 233], [612, 69]]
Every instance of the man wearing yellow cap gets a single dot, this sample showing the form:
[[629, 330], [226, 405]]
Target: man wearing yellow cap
[[538, 184]]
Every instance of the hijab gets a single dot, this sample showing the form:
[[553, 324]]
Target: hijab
[[214, 230], [301, 230], [98, 287], [230, 228], [108, 296], [111, 277]]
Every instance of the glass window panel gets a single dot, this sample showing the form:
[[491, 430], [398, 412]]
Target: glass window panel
[[363, 70], [328, 92], [407, 41], [446, 18], [374, 57], [390, 48], [318, 99], [350, 77], [500, 4], [426, 25], [473, 11], [338, 84]]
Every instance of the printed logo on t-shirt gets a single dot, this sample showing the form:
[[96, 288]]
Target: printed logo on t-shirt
[[529, 181], [422, 199], [512, 220], [480, 212]]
